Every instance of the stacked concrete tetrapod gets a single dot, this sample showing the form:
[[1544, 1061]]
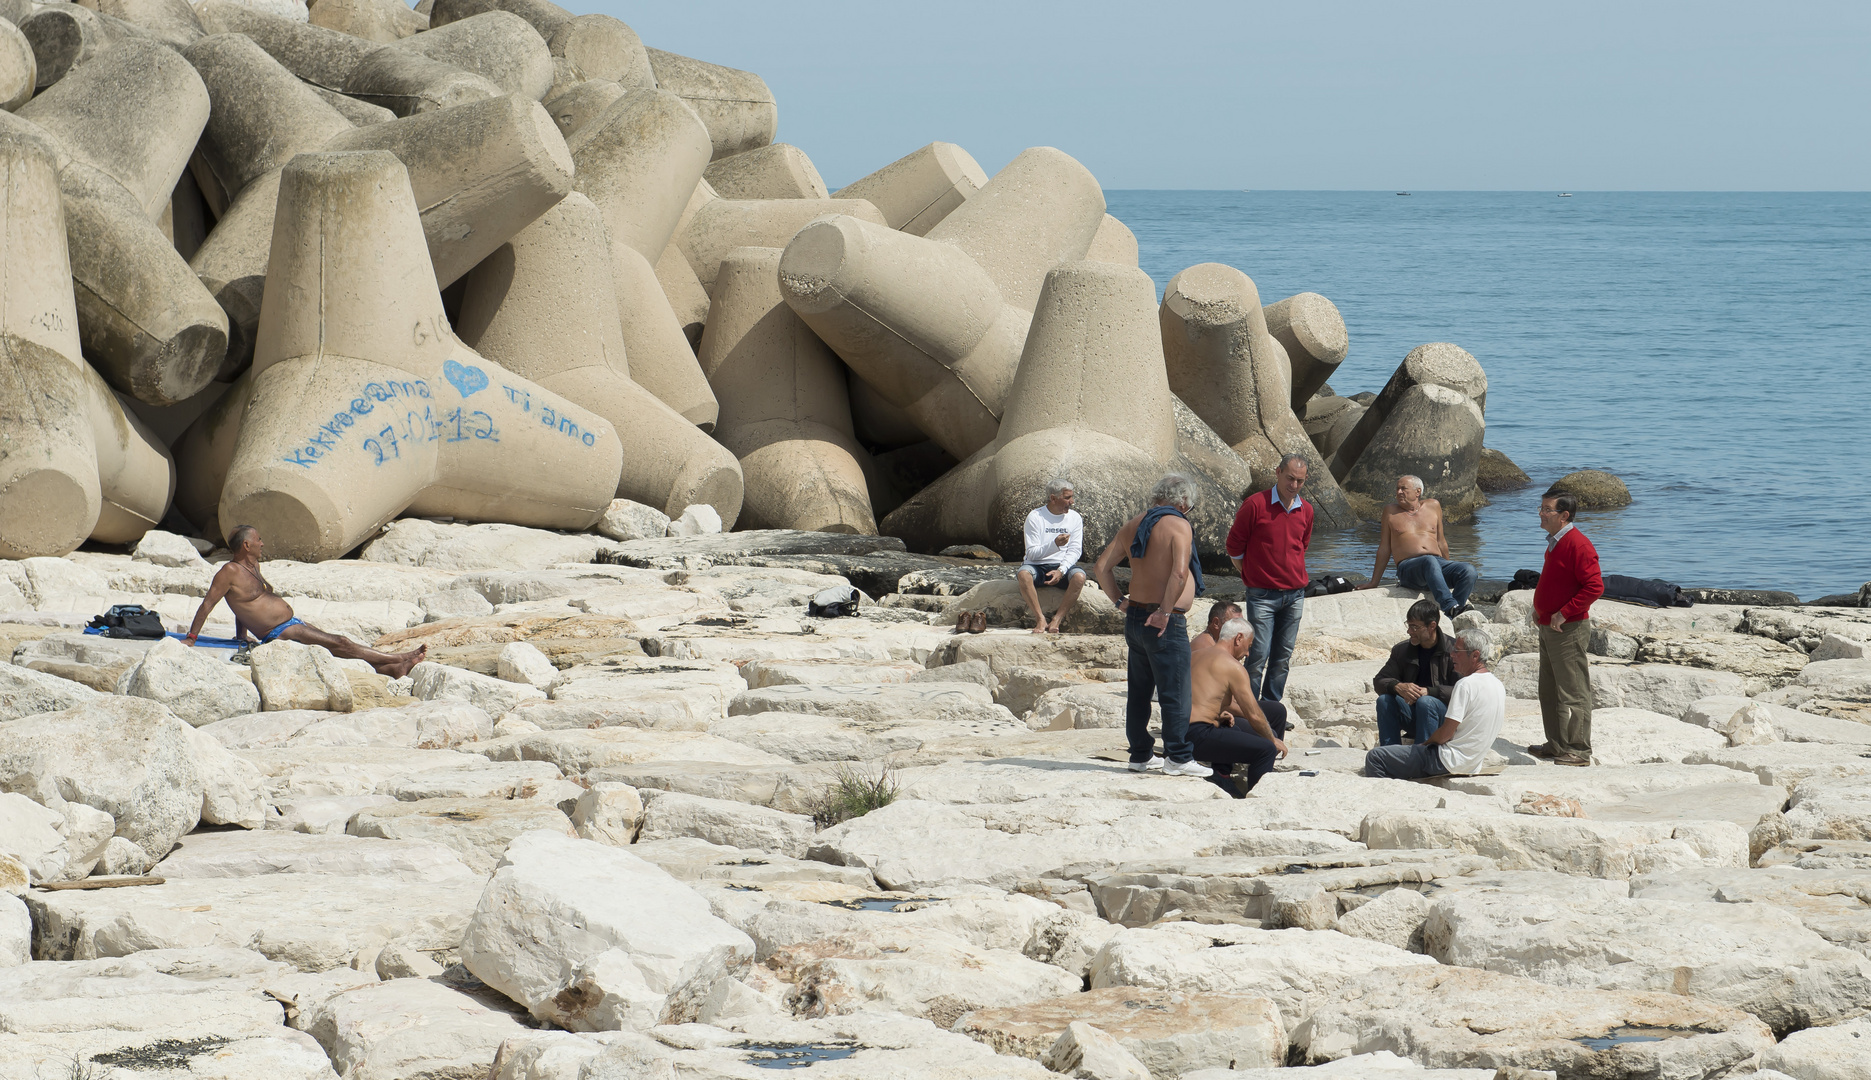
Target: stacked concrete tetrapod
[[1428, 421], [76, 465], [783, 406], [482, 170], [1310, 329], [591, 46], [496, 45], [19, 69], [639, 162], [778, 171], [712, 226], [354, 418], [541, 307], [936, 324], [1092, 404], [130, 118], [1233, 374], [372, 20], [916, 191], [734, 105]]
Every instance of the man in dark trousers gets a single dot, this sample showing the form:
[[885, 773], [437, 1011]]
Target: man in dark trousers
[[1414, 685], [1268, 546], [1562, 606]]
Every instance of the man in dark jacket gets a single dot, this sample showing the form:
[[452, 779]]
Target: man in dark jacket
[[1414, 686]]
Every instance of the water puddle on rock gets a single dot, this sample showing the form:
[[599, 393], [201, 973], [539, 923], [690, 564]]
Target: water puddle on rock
[[796, 1055], [880, 903], [1621, 1036]]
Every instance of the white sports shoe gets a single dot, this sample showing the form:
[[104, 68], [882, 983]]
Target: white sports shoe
[[1155, 764], [1187, 768]]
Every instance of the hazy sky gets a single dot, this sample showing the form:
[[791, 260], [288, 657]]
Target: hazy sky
[[1716, 95]]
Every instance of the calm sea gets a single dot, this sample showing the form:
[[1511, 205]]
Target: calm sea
[[1712, 350]]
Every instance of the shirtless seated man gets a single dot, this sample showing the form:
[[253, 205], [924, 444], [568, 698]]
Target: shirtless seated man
[[1226, 724], [259, 611], [1410, 531], [1218, 614]]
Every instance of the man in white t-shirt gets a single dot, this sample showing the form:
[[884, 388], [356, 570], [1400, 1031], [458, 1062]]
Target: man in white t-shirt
[[1055, 537], [1477, 709]]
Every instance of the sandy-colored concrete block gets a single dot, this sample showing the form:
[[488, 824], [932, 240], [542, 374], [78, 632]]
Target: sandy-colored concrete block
[[1113, 243], [540, 307], [662, 360], [77, 465], [171, 22], [776, 171], [597, 46], [735, 105], [718, 226], [1040, 211], [583, 102], [64, 36], [352, 329], [687, 299], [497, 45], [639, 161], [1438, 439], [372, 20], [1310, 329], [877, 422], [783, 407], [19, 69], [1233, 373], [359, 113], [919, 189]]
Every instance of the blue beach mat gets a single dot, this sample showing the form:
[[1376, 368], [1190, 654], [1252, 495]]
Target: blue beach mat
[[204, 640]]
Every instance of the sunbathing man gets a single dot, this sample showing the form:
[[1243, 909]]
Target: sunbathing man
[[260, 611], [1410, 531], [1226, 724]]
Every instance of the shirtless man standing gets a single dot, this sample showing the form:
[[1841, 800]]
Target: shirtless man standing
[[1411, 533], [260, 611], [1165, 576], [1226, 725]]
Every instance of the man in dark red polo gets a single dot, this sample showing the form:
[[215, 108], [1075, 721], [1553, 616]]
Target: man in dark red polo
[[1268, 546], [1562, 605]]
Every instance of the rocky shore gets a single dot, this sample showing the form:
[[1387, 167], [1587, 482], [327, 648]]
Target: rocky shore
[[626, 822]]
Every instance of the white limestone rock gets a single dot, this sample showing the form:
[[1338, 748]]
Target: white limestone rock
[[1789, 725], [441, 724], [194, 684], [520, 662], [626, 520], [127, 757], [30, 833], [243, 854], [15, 931], [1169, 1034], [578, 753], [321, 815], [1787, 764], [25, 692], [1658, 688], [121, 858], [669, 814], [967, 706], [455, 603], [1569, 845], [1087, 1053], [593, 938], [460, 548], [1840, 1052], [1753, 957], [609, 813], [493, 696], [410, 1028], [1382, 1064], [167, 549], [1395, 918], [289, 675], [232, 791], [697, 520], [1830, 808], [478, 830]]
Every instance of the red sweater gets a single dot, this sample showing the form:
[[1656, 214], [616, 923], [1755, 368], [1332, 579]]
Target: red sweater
[[1569, 581], [1270, 541]]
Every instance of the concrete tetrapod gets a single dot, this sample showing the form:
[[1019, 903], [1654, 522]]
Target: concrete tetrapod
[[597, 46], [1113, 243], [582, 104], [716, 226], [352, 329], [1222, 361], [1310, 329], [777, 171], [1437, 439], [640, 162], [1091, 403], [936, 324], [372, 20], [735, 106], [77, 464], [918, 190], [539, 307], [62, 36], [171, 22], [496, 45], [129, 119], [783, 406], [19, 69]]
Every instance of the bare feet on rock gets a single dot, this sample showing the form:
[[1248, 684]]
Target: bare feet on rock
[[404, 661]]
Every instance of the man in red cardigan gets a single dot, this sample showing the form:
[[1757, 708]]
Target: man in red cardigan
[[1562, 605], [1268, 546]]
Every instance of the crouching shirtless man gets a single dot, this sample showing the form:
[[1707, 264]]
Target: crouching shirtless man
[[260, 611], [1226, 724]]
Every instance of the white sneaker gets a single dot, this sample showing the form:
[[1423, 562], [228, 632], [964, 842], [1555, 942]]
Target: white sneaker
[[1188, 768], [1155, 764]]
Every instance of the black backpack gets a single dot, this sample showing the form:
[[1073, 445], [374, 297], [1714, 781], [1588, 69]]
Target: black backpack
[[1328, 585], [129, 621], [835, 602]]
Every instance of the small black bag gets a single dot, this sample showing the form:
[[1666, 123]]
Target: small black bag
[[1525, 579], [1328, 585], [836, 602], [129, 621]]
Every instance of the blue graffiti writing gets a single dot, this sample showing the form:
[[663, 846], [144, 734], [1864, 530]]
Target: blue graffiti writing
[[329, 435]]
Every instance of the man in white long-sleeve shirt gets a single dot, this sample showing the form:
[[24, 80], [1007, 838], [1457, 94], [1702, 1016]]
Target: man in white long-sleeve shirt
[[1055, 537]]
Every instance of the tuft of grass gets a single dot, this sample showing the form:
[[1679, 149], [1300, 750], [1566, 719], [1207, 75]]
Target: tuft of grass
[[855, 792]]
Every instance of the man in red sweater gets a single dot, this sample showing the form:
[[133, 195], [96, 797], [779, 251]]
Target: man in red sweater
[[1268, 546], [1562, 605]]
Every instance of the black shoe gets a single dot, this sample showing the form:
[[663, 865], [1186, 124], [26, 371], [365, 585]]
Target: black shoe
[[1463, 610]]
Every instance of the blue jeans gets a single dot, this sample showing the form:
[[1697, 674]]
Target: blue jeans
[[1405, 762], [1397, 718], [1448, 581], [1274, 614], [1159, 664]]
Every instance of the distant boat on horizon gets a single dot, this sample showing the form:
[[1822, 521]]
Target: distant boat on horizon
[[1403, 193], [1565, 194]]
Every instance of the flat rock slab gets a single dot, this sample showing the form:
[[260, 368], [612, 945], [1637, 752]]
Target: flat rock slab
[[314, 922], [1606, 849], [1382, 1064], [1620, 738], [1756, 958], [1659, 688], [1841, 1052], [249, 854], [794, 788], [1786, 764], [414, 1028], [1743, 804], [661, 692], [761, 673], [580, 753], [781, 914], [1017, 779], [303, 771], [1598, 784], [1834, 903], [1453, 1018], [1170, 1033], [428, 725], [1238, 887], [969, 706], [1293, 967], [1831, 808], [1002, 652], [805, 738], [1790, 725], [478, 830]]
